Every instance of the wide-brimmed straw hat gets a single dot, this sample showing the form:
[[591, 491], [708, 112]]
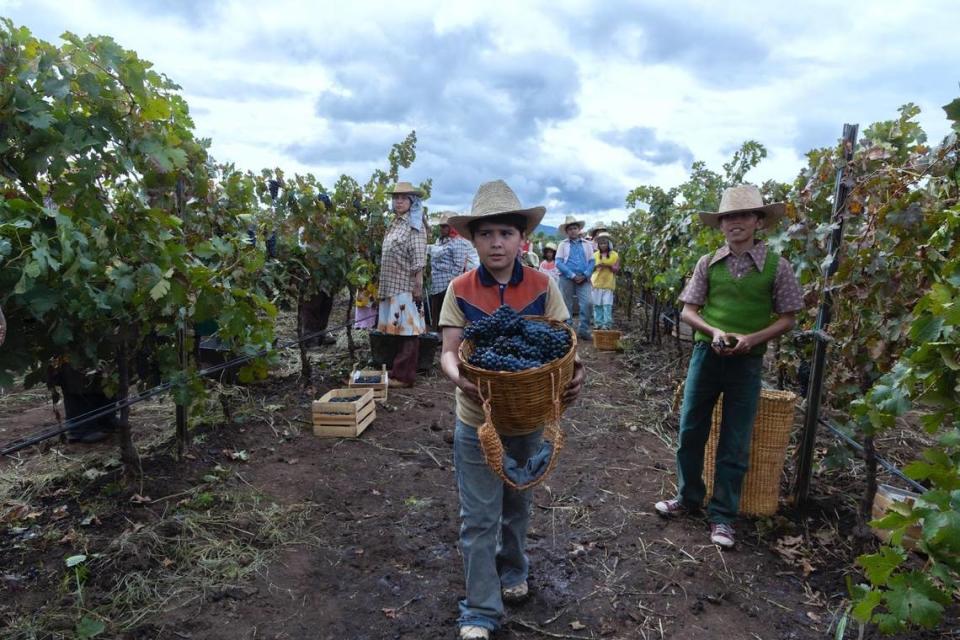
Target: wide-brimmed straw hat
[[744, 197], [405, 189], [569, 220], [596, 227], [494, 199], [550, 245], [444, 218]]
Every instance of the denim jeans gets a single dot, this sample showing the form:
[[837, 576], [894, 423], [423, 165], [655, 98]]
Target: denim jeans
[[738, 379], [493, 529], [582, 292], [603, 316]]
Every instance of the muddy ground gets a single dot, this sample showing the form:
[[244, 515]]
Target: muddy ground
[[266, 531]]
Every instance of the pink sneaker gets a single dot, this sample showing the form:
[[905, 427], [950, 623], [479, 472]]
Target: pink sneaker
[[721, 534], [671, 507]]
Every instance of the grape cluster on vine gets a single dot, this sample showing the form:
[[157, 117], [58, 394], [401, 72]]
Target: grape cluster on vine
[[506, 342]]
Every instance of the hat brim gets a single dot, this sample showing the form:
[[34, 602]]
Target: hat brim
[[414, 192], [563, 227], [772, 214], [462, 223]]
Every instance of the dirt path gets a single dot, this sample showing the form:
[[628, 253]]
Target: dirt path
[[375, 555], [603, 565]]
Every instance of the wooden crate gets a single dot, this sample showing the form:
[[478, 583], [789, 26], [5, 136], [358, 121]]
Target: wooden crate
[[379, 388], [885, 497], [343, 419]]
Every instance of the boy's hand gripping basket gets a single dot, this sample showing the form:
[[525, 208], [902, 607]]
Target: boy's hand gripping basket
[[518, 403]]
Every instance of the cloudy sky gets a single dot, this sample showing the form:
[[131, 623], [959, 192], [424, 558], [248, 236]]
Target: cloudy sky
[[573, 103]]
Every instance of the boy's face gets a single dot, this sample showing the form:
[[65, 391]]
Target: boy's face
[[573, 231], [497, 245], [740, 227]]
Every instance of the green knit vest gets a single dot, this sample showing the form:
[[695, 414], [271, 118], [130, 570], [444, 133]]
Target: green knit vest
[[743, 305]]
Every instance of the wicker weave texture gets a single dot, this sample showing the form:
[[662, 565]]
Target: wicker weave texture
[[605, 339], [523, 401], [768, 446], [492, 448]]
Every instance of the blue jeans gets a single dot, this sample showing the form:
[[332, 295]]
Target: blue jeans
[[582, 292], [738, 379], [493, 529]]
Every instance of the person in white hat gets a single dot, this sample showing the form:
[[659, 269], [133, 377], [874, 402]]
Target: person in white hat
[[403, 258], [450, 256], [548, 265], [575, 262], [738, 299], [494, 517], [604, 280], [596, 230]]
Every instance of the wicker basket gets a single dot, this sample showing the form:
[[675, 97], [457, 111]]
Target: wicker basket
[[605, 340], [760, 494], [523, 401]]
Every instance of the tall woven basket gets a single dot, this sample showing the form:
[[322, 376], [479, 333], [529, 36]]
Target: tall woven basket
[[760, 494], [520, 402]]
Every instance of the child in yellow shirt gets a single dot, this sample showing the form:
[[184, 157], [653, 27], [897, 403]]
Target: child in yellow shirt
[[604, 280]]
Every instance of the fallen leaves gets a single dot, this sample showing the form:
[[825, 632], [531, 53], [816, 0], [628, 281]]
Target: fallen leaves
[[795, 553], [235, 455]]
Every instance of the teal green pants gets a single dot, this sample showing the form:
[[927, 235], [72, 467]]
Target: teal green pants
[[738, 379]]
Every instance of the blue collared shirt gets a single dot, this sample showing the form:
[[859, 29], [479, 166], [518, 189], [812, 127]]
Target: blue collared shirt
[[576, 263]]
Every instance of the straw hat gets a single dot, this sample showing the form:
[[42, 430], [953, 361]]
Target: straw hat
[[603, 234], [597, 227], [405, 189], [744, 197], [550, 245], [493, 199], [444, 218], [569, 220]]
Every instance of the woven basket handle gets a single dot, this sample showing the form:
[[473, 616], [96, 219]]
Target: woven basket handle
[[492, 446]]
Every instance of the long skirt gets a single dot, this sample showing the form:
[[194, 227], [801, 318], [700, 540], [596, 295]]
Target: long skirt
[[399, 315]]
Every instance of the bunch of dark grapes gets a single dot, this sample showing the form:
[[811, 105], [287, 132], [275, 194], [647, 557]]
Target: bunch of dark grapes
[[506, 342], [274, 187], [346, 399]]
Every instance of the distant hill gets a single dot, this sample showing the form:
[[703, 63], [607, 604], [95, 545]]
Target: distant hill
[[547, 230]]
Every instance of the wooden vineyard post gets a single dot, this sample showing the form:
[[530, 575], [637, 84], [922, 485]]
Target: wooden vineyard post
[[351, 347], [305, 371], [821, 339], [128, 453], [183, 435]]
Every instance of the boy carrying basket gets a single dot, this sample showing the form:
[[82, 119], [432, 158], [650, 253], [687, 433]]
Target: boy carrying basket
[[738, 299], [494, 517]]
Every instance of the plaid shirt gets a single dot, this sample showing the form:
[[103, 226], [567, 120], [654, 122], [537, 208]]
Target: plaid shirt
[[404, 253], [449, 257]]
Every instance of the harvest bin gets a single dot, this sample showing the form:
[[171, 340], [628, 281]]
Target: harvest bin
[[343, 419], [383, 349], [380, 388], [885, 497]]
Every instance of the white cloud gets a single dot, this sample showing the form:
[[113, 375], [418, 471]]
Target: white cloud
[[532, 92]]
